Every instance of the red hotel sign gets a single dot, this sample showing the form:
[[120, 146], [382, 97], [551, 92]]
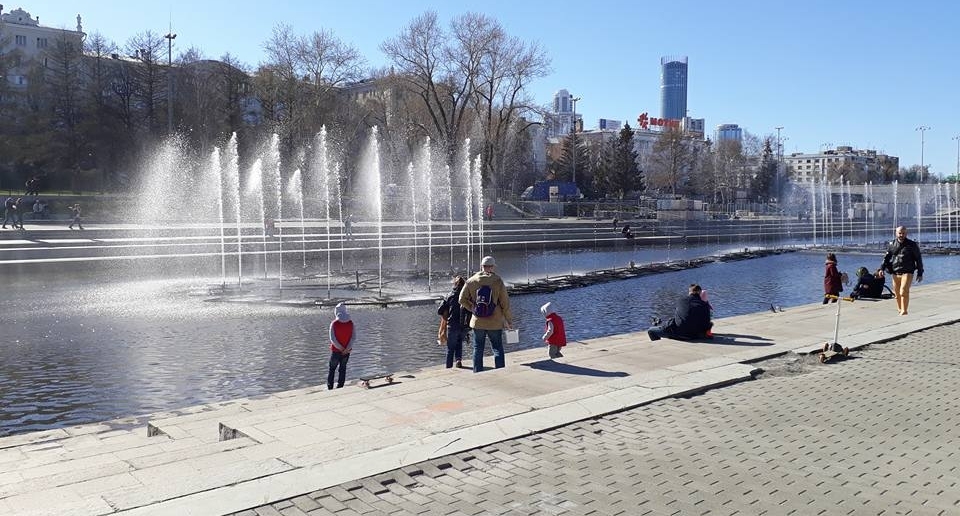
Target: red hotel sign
[[645, 122]]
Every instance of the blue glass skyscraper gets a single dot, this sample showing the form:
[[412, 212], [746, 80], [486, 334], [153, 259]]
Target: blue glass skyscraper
[[673, 87]]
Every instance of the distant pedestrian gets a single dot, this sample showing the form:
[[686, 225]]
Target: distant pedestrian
[[33, 186], [485, 296], [456, 324], [19, 207], [615, 222], [903, 260], [342, 336], [77, 218], [832, 281], [488, 212], [10, 212], [348, 226], [555, 335]]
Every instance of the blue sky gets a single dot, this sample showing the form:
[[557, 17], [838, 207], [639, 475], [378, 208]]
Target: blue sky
[[860, 73]]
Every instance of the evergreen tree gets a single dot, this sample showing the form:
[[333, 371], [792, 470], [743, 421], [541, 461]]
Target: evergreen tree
[[574, 162], [765, 182], [625, 175]]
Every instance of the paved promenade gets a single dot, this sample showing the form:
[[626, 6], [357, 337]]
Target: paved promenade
[[877, 434], [620, 425]]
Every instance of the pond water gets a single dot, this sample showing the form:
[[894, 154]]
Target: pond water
[[100, 342]]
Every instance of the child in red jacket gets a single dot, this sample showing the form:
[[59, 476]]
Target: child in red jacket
[[555, 335], [342, 337]]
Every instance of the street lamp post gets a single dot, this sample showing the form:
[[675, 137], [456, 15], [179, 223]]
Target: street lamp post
[[957, 138], [922, 130], [779, 163], [573, 130], [170, 37]]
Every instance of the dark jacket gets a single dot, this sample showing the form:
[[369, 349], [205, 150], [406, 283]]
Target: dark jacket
[[831, 279], [869, 286], [458, 318], [903, 258], [692, 319]]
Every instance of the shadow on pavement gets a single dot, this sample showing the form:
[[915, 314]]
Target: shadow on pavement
[[730, 339], [557, 367]]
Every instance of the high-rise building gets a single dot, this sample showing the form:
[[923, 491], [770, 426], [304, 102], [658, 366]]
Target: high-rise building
[[673, 87], [729, 132], [563, 119]]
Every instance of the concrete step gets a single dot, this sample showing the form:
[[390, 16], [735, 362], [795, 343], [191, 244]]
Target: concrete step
[[192, 475], [116, 469]]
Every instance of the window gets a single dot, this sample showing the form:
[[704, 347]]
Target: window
[[41, 42], [21, 41]]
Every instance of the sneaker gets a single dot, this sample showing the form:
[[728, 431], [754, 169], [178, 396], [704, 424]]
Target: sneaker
[[652, 335], [459, 364]]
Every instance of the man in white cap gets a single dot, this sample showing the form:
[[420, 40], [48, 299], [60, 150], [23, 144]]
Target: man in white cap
[[485, 296]]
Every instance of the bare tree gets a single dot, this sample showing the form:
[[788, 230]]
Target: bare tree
[[507, 66], [672, 161], [727, 166], [198, 99], [305, 72], [107, 140], [233, 87], [328, 62], [148, 76], [440, 72], [64, 100]]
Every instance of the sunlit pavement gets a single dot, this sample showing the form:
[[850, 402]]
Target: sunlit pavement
[[480, 434], [874, 434]]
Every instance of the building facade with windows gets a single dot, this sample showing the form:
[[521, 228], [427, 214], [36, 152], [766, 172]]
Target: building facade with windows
[[23, 43], [856, 165], [728, 132]]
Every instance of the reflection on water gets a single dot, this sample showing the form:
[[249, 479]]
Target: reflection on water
[[90, 345]]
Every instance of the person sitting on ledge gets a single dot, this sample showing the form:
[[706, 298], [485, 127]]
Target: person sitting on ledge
[[691, 320], [870, 285]]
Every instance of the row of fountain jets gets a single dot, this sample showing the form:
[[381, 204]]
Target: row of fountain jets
[[264, 198], [438, 194], [883, 202]]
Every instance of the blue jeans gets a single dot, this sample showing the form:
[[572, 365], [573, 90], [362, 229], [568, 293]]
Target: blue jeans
[[496, 342], [338, 364], [454, 344]]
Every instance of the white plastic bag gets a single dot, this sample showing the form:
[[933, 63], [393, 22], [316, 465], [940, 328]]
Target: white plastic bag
[[512, 336]]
